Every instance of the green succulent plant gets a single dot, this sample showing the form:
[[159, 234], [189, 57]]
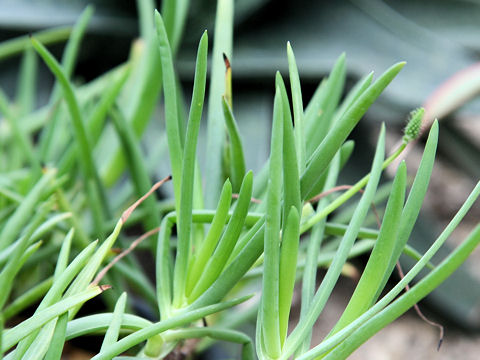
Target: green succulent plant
[[61, 186]]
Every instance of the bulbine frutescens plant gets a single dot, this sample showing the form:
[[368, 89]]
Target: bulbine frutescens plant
[[249, 225]]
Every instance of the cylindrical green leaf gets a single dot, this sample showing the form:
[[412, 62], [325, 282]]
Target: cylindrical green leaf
[[227, 242], [288, 267], [237, 159], [175, 149], [222, 44], [207, 247], [12, 336], [370, 282], [270, 284], [339, 132], [184, 225]]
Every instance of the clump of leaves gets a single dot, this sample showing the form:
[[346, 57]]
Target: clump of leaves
[[242, 226]]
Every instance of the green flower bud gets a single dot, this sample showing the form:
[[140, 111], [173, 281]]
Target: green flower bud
[[414, 125]]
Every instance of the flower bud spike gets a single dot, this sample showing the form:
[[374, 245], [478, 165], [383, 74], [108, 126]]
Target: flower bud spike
[[414, 125]]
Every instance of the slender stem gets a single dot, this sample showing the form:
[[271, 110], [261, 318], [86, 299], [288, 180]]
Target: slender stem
[[307, 225]]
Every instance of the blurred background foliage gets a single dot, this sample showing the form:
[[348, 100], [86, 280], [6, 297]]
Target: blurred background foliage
[[438, 38]]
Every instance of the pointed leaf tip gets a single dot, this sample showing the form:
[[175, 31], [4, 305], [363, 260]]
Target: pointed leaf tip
[[434, 127], [226, 61]]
